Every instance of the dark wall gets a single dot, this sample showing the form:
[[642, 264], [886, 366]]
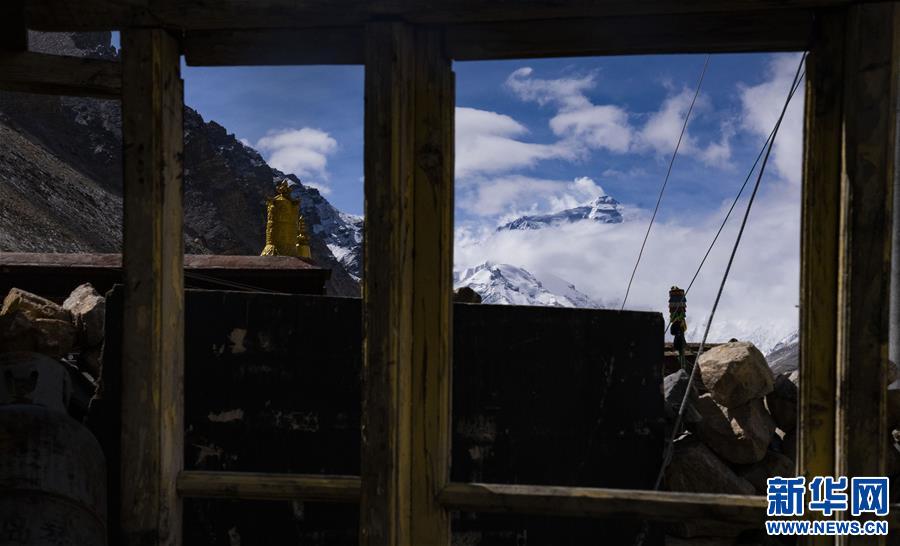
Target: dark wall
[[541, 396]]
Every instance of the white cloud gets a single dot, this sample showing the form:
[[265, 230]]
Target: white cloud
[[760, 295], [581, 123], [660, 132], [487, 142], [303, 152], [471, 121], [718, 154], [567, 93], [762, 105], [597, 127]]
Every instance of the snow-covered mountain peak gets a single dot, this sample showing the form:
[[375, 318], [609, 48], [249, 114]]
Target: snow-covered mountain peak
[[507, 284], [603, 209]]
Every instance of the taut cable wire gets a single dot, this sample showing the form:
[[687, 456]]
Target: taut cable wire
[[662, 188]]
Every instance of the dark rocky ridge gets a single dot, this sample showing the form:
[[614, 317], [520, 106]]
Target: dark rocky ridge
[[61, 176]]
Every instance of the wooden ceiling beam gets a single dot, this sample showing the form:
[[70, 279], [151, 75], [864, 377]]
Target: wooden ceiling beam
[[247, 14], [785, 30], [31, 72], [632, 35], [330, 45]]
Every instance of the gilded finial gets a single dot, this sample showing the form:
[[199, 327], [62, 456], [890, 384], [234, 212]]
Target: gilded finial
[[285, 227]]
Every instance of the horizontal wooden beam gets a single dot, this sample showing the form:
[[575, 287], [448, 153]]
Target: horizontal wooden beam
[[605, 503], [246, 14], [520, 499], [261, 486], [331, 45], [784, 30], [31, 72]]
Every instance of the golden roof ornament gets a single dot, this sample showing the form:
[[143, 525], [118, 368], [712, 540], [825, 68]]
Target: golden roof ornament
[[285, 228]]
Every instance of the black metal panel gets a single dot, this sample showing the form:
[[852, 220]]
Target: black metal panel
[[555, 396], [541, 396]]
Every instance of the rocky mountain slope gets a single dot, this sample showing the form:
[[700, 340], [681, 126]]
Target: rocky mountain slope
[[510, 285], [784, 357], [603, 209], [342, 232], [61, 179]]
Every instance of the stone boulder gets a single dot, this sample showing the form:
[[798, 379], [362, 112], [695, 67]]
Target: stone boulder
[[782, 403], [31, 323], [674, 387], [735, 373], [51, 337], [88, 309], [696, 469], [795, 378], [465, 294], [89, 361], [740, 434], [772, 464], [32, 306]]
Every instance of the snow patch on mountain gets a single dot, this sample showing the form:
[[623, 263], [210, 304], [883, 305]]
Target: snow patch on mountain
[[506, 284]]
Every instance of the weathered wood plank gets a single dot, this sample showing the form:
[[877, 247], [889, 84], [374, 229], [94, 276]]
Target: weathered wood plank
[[432, 287], [153, 322], [407, 286], [683, 33], [62, 15], [234, 14], [13, 31], [332, 45], [607, 503], [627, 35], [870, 94], [60, 75], [819, 253], [388, 286], [262, 486]]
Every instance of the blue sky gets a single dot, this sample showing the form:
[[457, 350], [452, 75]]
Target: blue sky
[[542, 135], [252, 102]]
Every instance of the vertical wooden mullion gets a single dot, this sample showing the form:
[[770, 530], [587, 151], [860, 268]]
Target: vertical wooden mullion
[[387, 285], [870, 67], [432, 287], [153, 321], [819, 251], [407, 286]]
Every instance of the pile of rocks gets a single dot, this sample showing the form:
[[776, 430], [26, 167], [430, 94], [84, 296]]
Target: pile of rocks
[[740, 429], [72, 331]]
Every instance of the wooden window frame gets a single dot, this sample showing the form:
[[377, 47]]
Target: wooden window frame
[[407, 48]]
